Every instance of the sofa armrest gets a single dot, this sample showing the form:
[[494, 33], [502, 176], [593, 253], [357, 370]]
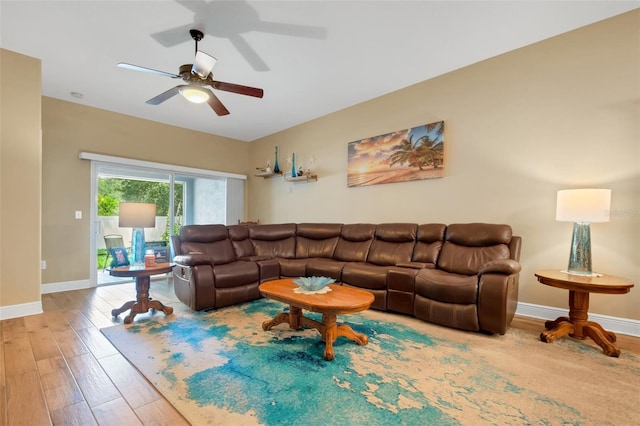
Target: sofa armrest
[[269, 269], [415, 265], [503, 266], [497, 301], [193, 259]]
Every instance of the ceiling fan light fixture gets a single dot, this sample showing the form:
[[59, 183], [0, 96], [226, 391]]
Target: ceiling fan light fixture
[[194, 94]]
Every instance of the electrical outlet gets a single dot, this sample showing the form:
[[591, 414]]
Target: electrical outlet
[[43, 264], [78, 214]]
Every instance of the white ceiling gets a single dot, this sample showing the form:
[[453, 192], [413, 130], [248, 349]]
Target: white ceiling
[[310, 57]]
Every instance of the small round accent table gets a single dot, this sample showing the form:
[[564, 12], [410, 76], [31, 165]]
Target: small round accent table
[[577, 324], [143, 302]]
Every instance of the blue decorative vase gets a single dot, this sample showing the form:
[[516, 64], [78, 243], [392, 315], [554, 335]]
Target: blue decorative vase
[[137, 246], [293, 165], [276, 168]]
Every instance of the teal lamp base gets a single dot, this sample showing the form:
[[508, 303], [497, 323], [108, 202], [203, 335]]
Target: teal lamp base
[[137, 246], [580, 255]]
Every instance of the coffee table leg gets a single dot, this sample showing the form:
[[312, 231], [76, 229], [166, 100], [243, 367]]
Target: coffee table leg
[[293, 318], [282, 317], [346, 331], [329, 329], [330, 334]]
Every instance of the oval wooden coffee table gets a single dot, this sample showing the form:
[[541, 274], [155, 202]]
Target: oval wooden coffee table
[[340, 300]]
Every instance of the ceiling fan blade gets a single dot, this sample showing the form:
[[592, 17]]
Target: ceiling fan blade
[[203, 64], [165, 95], [215, 103], [144, 69], [237, 88]]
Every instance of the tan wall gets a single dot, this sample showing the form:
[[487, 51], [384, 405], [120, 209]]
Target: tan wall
[[20, 173], [563, 113], [69, 128]]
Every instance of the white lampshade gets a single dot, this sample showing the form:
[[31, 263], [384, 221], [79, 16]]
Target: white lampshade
[[583, 205], [137, 215]]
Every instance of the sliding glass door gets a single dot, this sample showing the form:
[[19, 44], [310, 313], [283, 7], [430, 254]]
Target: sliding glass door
[[180, 199], [117, 184], [202, 200]]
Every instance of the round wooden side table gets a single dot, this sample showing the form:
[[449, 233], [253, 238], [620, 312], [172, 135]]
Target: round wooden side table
[[143, 302], [577, 325]]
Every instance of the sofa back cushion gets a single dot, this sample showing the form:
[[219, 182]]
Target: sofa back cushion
[[393, 244], [468, 246], [239, 236], [354, 242], [316, 239], [210, 240], [274, 240], [429, 242]]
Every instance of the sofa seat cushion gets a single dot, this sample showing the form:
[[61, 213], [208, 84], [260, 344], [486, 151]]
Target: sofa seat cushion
[[365, 275], [235, 274], [447, 287], [293, 267], [321, 267]]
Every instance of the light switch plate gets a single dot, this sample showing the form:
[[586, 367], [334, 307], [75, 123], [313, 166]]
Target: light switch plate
[[78, 214]]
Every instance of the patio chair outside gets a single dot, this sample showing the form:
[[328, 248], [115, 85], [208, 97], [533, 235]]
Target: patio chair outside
[[111, 241]]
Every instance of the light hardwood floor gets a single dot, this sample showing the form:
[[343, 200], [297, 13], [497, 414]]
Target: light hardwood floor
[[58, 368]]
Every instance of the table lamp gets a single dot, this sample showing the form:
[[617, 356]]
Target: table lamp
[[137, 216], [582, 207]]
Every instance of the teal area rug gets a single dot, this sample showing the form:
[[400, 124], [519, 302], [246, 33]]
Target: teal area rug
[[220, 368]]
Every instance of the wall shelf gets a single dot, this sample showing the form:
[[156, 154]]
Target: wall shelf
[[268, 175], [298, 179]]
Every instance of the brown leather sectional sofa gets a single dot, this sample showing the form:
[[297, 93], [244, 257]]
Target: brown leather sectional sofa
[[461, 275]]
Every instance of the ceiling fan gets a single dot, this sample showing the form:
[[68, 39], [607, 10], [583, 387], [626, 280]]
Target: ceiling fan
[[197, 76]]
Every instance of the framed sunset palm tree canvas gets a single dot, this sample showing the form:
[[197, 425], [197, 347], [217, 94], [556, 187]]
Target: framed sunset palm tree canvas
[[401, 156]]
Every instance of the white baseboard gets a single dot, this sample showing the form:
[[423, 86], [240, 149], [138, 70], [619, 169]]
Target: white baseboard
[[64, 286], [627, 326], [21, 310]]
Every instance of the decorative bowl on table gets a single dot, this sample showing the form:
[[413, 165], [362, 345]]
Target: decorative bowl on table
[[313, 285]]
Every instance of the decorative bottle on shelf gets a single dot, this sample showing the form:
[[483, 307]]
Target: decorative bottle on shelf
[[276, 168], [293, 165]]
